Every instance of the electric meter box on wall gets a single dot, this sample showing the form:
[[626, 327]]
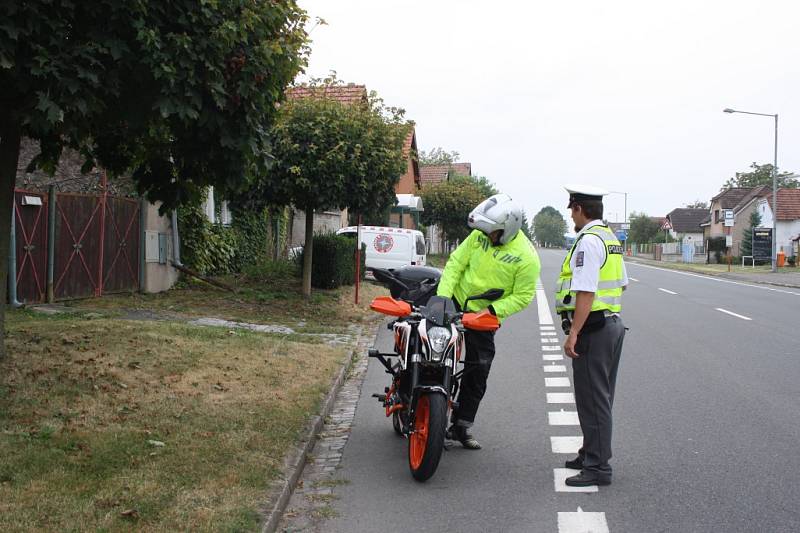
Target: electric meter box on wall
[[390, 247]]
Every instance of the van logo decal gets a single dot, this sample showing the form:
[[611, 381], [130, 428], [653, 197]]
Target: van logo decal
[[383, 243]]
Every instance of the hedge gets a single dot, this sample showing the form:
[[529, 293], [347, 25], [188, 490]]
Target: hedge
[[333, 261]]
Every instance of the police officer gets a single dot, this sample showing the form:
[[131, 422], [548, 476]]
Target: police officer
[[496, 255], [589, 300]]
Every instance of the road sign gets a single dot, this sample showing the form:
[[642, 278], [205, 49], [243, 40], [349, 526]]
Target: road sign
[[667, 224], [762, 244], [728, 214], [622, 235], [625, 226]]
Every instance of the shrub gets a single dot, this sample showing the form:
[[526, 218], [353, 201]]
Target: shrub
[[269, 271], [333, 261]]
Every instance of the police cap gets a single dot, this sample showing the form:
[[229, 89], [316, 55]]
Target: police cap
[[584, 192]]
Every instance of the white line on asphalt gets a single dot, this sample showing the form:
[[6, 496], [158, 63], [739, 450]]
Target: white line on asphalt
[[581, 522], [555, 368], [548, 333], [563, 418], [667, 291], [552, 356], [556, 382], [547, 328], [550, 340], [544, 309], [551, 348], [569, 445], [712, 278], [560, 474], [732, 313], [560, 397], [633, 279]]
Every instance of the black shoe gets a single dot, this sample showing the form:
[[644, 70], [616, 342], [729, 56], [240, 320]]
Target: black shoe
[[575, 464], [587, 479], [462, 435]]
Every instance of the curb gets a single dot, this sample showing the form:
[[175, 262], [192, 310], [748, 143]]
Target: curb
[[295, 461], [723, 275]]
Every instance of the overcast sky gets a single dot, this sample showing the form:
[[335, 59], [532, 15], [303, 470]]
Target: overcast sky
[[625, 95]]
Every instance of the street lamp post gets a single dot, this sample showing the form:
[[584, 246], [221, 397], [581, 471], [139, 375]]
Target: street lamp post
[[774, 183]]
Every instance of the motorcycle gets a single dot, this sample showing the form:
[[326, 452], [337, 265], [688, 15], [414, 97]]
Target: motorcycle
[[429, 345]]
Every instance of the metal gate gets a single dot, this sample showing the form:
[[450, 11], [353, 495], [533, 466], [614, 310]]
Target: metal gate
[[30, 226], [96, 245]]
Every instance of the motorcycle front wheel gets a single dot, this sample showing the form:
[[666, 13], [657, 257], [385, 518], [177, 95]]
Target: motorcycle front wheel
[[426, 443]]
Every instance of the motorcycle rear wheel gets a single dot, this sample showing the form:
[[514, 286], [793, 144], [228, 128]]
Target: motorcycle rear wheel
[[426, 443]]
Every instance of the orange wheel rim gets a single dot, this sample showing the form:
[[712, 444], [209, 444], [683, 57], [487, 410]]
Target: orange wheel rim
[[419, 439]]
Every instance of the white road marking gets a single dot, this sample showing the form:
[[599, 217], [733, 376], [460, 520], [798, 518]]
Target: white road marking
[[557, 382], [560, 397], [555, 368], [569, 445], [552, 356], [667, 291], [547, 333], [712, 278], [550, 339], [561, 474], [732, 313], [633, 279], [551, 348], [547, 328], [581, 522], [544, 308], [563, 418]]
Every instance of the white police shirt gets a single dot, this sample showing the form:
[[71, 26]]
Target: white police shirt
[[587, 259]]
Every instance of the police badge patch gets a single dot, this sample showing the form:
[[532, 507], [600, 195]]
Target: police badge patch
[[579, 259]]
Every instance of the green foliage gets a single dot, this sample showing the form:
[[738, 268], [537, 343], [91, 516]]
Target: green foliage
[[761, 175], [643, 228], [179, 95], [252, 234], [697, 204], [438, 156], [205, 247], [449, 203], [333, 261], [486, 187], [271, 271], [526, 227], [747, 239], [549, 227]]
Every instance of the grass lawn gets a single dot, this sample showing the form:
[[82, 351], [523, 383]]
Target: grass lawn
[[112, 424]]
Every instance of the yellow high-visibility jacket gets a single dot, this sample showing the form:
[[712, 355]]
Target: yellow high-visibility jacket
[[476, 266]]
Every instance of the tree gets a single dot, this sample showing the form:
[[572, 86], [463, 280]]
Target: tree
[[549, 227], [643, 228], [747, 240], [486, 187], [526, 227], [178, 95], [761, 175], [437, 156], [333, 155], [448, 205], [697, 204]]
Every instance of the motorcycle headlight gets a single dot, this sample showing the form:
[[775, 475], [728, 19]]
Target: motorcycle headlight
[[438, 338]]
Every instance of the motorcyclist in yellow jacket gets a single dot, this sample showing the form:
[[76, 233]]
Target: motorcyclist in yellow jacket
[[496, 255]]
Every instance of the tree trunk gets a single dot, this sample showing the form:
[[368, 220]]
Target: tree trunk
[[307, 251], [9, 157]]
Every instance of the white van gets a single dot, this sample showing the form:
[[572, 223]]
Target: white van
[[390, 247]]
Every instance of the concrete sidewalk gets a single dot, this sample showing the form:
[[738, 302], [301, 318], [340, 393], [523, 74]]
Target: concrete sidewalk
[[785, 277]]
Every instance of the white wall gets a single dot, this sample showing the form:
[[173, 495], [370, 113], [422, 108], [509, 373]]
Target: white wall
[[785, 231]]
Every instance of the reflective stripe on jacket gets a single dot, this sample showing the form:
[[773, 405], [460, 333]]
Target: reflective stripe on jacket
[[476, 266], [611, 279]]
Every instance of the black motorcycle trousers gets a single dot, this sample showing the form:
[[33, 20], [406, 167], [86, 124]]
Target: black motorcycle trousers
[[479, 356]]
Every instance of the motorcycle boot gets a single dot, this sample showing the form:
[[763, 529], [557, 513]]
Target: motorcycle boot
[[462, 435]]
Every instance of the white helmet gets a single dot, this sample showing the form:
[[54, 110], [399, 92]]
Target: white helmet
[[498, 212]]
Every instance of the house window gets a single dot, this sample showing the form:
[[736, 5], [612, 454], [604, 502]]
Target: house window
[[716, 216]]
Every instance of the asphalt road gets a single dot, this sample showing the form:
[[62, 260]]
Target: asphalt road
[[706, 425]]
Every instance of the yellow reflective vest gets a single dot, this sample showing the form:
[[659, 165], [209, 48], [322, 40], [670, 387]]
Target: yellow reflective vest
[[611, 280], [476, 266]]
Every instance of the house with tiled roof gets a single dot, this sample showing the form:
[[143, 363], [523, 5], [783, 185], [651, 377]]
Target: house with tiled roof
[[787, 228], [347, 94], [409, 204], [432, 174], [684, 223]]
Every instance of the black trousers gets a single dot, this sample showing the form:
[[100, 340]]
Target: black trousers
[[480, 349], [595, 376]]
